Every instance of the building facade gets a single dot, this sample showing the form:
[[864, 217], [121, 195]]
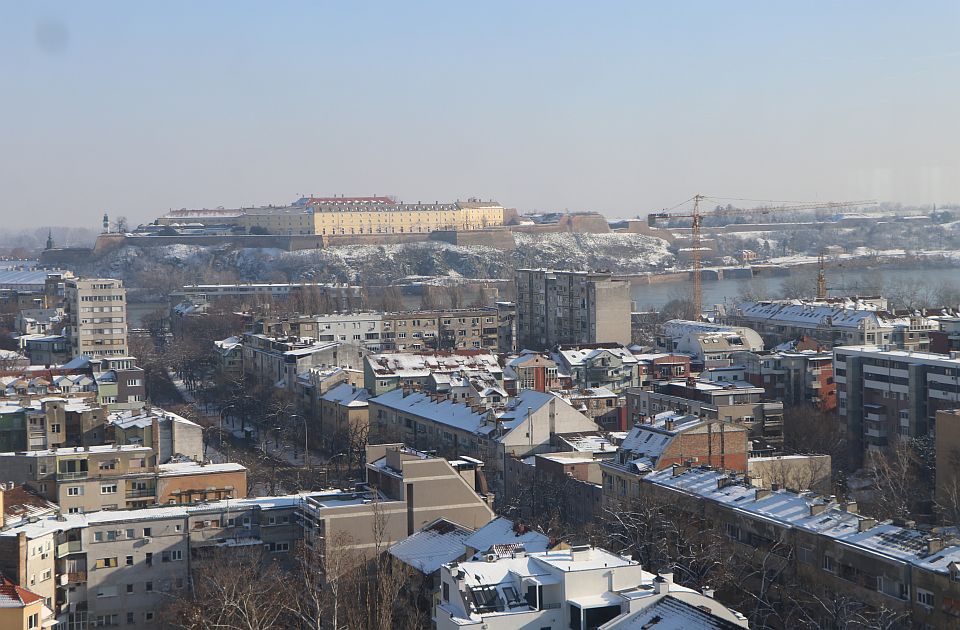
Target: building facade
[[886, 394], [96, 316], [571, 308]]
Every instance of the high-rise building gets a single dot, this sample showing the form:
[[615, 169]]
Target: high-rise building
[[571, 308], [884, 394], [96, 310]]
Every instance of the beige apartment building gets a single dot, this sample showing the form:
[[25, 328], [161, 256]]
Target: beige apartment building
[[571, 308], [96, 310], [120, 568], [117, 477]]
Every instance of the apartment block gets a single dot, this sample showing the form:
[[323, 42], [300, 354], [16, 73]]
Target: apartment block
[[522, 426], [739, 403], [384, 372], [274, 360], [571, 308], [51, 422], [835, 322], [609, 366], [96, 312], [889, 569], [883, 394], [710, 345], [797, 377]]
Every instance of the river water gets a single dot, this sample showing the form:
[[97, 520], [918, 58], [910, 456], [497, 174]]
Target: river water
[[927, 284]]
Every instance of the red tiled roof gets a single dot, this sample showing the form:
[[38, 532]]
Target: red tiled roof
[[13, 596], [322, 200]]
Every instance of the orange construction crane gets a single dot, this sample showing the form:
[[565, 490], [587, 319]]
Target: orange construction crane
[[696, 223]]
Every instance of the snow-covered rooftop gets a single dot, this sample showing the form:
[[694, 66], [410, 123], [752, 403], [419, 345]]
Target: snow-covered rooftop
[[436, 544]]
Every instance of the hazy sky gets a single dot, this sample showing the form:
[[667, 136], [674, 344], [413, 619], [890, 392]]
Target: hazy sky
[[624, 108]]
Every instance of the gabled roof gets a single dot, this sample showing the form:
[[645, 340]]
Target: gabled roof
[[13, 596]]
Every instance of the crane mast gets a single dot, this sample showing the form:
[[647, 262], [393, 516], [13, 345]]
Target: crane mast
[[696, 225]]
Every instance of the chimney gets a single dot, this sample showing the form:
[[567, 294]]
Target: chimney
[[579, 552], [761, 493], [850, 506], [866, 523], [679, 470], [708, 592], [817, 508], [934, 544], [661, 585]]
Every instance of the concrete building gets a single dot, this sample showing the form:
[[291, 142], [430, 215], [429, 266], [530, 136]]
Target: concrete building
[[888, 569], [609, 366], [739, 402], [281, 360], [581, 588], [947, 445], [947, 339], [96, 317], [531, 370], [883, 394], [522, 427], [169, 435], [797, 377], [51, 422], [571, 308], [122, 567], [343, 419], [384, 372], [834, 322], [710, 345]]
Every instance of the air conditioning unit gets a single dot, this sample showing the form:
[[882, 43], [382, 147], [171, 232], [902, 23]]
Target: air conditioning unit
[[491, 557], [147, 539]]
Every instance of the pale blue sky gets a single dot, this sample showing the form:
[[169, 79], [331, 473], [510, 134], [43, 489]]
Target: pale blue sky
[[137, 107]]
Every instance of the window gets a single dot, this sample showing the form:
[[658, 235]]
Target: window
[[131, 533], [103, 563], [146, 532], [925, 598], [148, 616], [46, 575], [805, 555], [129, 561], [278, 547], [148, 587], [108, 488], [171, 556], [129, 588], [446, 592], [130, 615], [74, 491], [33, 621], [828, 564], [149, 559], [110, 464], [55, 427]]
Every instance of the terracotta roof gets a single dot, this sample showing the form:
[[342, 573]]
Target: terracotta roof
[[13, 596]]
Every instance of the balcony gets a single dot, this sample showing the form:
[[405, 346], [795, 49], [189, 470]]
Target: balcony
[[72, 546], [77, 577], [72, 476], [141, 493]]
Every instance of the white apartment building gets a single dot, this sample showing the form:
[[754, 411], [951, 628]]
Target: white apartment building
[[579, 588], [96, 310]]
